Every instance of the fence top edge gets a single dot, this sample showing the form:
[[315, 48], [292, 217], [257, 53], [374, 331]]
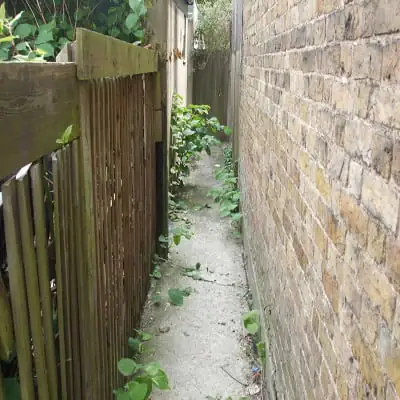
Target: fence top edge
[[98, 56]]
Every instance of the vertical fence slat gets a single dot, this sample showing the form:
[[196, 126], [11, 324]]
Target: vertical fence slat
[[118, 218], [81, 269], [65, 270], [32, 284], [90, 242], [100, 171], [17, 289], [74, 309], [59, 241], [44, 275], [7, 345]]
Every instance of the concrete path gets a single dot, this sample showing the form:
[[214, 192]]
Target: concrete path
[[201, 343]]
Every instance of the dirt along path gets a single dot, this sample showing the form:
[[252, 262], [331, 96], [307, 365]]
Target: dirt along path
[[201, 344]]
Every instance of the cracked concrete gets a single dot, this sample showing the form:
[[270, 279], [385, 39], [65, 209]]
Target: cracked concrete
[[205, 335]]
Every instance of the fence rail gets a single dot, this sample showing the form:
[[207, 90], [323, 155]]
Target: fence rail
[[80, 220]]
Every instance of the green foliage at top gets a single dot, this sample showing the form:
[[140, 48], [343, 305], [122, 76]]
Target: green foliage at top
[[42, 28], [141, 379], [214, 26], [14, 42], [193, 132]]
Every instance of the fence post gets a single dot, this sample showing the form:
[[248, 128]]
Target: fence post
[[162, 174], [88, 330]]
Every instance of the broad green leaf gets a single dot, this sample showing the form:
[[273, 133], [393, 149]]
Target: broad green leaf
[[131, 21], [175, 297], [137, 391], [3, 55], [156, 274], [177, 239], [63, 41], [251, 322], [121, 394], [126, 366], [24, 30], [114, 31], [152, 368], [44, 37], [145, 336], [134, 345], [161, 380], [21, 46], [139, 34], [47, 49], [70, 34]]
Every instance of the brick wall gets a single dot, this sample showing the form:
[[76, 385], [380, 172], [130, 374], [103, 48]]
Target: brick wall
[[320, 177]]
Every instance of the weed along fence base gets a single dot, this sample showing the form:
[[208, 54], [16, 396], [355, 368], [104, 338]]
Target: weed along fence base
[[79, 216]]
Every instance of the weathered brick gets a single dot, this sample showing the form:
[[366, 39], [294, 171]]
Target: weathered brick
[[380, 199], [385, 106], [332, 290], [376, 240], [319, 126], [393, 261], [336, 231], [379, 290], [356, 217], [355, 179], [322, 183], [391, 61], [387, 16], [396, 162]]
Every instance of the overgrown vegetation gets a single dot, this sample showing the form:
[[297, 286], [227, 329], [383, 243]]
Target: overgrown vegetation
[[193, 131], [38, 30], [213, 32], [141, 378], [227, 194]]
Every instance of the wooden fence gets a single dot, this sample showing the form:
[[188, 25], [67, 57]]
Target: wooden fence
[[211, 83], [81, 220]]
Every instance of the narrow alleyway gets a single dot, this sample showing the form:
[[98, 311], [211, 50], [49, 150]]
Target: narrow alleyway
[[201, 343]]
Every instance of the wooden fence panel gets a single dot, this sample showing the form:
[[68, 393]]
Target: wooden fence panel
[[123, 165], [37, 103], [81, 229], [211, 85]]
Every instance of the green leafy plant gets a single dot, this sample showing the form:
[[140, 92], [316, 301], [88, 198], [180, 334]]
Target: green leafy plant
[[176, 296], [14, 42], [227, 193], [41, 29], [251, 322], [193, 132], [65, 137], [141, 378]]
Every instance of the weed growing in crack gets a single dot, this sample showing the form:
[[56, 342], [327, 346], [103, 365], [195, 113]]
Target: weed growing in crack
[[141, 379], [251, 322]]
